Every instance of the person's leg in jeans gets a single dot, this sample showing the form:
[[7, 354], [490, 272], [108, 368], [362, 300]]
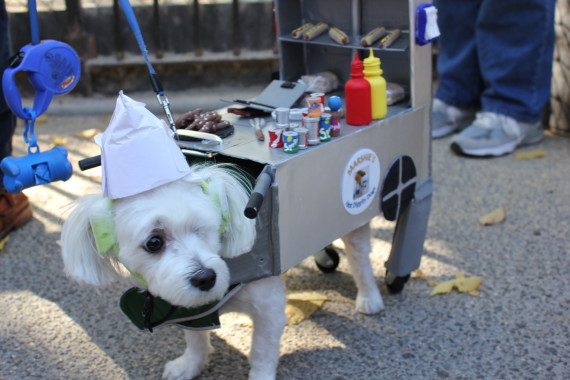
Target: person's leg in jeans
[[516, 52], [515, 42], [15, 210], [460, 84]]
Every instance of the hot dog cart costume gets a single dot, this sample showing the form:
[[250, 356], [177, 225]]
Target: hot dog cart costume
[[323, 192]]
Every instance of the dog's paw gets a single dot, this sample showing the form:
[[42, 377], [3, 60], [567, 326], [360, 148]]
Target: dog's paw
[[369, 304], [183, 368]]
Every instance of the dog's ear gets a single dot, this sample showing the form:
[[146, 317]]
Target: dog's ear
[[231, 187], [81, 258]]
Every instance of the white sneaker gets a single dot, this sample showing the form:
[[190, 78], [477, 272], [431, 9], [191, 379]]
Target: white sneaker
[[446, 119], [493, 134]]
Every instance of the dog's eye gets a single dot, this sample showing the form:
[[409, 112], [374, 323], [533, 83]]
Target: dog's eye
[[154, 244]]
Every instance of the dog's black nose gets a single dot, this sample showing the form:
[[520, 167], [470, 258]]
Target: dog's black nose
[[204, 279]]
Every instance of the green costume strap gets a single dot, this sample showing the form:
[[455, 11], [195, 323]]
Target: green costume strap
[[103, 229], [147, 311], [218, 195]]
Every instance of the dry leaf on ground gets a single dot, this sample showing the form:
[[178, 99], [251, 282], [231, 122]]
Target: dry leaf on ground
[[460, 283], [3, 242], [420, 274], [530, 154], [87, 133], [299, 307], [495, 217], [59, 140]]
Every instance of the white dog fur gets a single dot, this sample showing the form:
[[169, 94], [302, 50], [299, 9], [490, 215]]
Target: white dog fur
[[184, 222]]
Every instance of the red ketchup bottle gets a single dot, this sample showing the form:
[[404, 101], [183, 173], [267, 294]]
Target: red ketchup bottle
[[358, 104]]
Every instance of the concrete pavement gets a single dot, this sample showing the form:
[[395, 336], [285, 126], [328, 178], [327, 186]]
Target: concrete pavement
[[517, 328]]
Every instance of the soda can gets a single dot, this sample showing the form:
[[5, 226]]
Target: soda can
[[282, 115], [275, 137], [290, 142], [295, 118], [303, 137], [314, 106], [321, 96], [312, 125], [325, 127]]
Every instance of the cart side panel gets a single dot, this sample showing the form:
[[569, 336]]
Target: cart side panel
[[261, 261], [311, 210]]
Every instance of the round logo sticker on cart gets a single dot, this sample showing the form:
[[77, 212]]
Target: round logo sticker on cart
[[360, 181]]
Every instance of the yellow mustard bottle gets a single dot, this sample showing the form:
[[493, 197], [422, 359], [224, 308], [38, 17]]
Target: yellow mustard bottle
[[373, 74]]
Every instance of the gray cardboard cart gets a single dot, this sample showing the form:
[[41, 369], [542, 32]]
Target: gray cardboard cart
[[328, 190]]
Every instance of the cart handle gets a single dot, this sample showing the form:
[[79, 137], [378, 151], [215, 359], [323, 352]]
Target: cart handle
[[90, 162], [262, 184]]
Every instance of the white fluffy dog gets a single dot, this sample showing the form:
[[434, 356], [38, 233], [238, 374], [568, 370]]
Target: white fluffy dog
[[170, 237]]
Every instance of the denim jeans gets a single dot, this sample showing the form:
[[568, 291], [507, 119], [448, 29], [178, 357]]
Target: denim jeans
[[496, 55]]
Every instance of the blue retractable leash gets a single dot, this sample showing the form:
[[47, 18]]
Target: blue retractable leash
[[53, 68], [156, 85], [91, 162]]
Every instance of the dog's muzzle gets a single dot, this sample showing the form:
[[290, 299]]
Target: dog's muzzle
[[204, 279]]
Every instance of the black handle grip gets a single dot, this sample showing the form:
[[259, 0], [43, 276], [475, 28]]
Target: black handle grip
[[89, 163], [156, 85], [262, 184]]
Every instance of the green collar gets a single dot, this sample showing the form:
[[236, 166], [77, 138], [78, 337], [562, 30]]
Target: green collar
[[147, 311]]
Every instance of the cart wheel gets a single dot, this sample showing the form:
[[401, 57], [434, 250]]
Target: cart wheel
[[395, 283], [327, 260]]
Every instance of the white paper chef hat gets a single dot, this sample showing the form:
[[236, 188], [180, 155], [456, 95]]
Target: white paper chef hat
[[138, 152]]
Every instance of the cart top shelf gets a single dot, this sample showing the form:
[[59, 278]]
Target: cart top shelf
[[244, 143], [402, 44]]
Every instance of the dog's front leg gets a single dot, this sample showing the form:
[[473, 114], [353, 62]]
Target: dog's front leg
[[193, 360], [368, 298], [264, 301]]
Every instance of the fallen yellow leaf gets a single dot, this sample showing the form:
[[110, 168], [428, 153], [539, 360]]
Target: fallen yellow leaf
[[467, 284], [495, 217], [87, 133], [243, 321], [41, 119], [59, 140], [4, 241], [461, 284], [530, 154], [420, 274], [299, 307]]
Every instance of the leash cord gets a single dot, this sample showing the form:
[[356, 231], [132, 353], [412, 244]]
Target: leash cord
[[34, 24], [131, 18], [156, 85]]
